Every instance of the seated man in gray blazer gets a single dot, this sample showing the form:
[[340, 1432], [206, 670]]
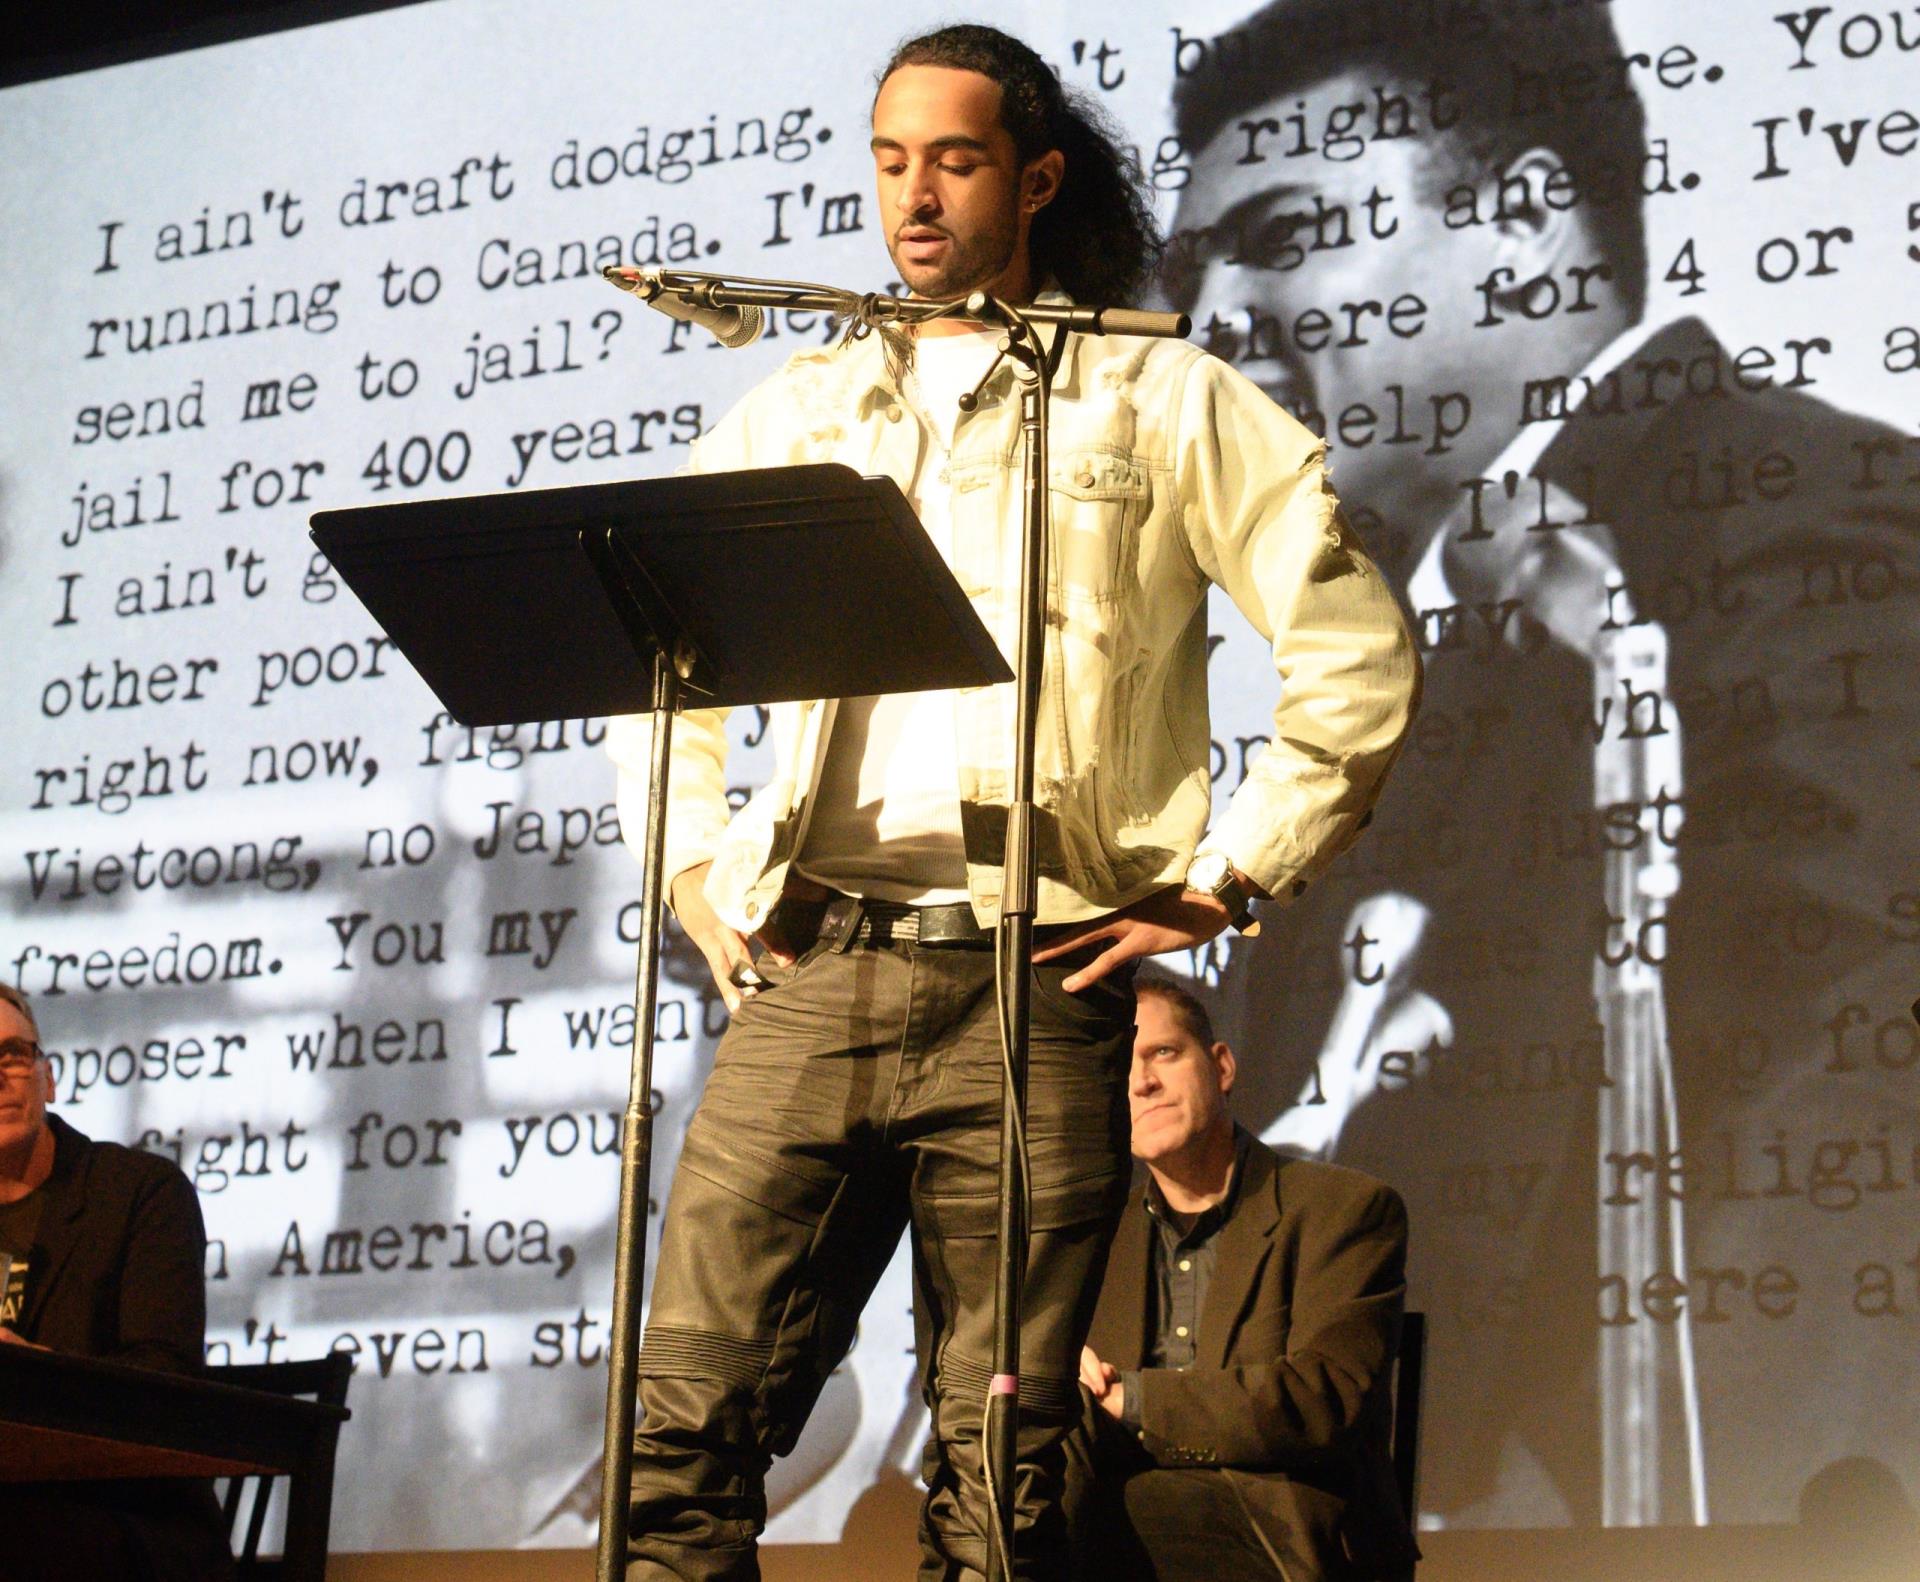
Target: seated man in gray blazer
[[1236, 1377]]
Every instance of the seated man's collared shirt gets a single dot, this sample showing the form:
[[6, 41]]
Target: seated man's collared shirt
[[1183, 1253]]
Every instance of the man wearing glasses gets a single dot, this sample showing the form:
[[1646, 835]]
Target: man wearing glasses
[[102, 1248], [26, 1152]]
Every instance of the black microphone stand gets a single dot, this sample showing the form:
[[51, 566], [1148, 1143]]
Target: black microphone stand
[[1034, 367]]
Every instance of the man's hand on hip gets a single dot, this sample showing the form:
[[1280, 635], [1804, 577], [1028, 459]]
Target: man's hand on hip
[[1169, 919], [724, 947]]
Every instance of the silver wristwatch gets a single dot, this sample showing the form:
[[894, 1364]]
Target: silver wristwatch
[[1211, 873]]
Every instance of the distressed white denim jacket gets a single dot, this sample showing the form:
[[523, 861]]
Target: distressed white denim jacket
[[1169, 470]]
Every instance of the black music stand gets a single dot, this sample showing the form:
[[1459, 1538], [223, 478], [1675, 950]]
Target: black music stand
[[758, 586]]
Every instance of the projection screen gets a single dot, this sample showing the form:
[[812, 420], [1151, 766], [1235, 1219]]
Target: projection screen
[[1615, 990]]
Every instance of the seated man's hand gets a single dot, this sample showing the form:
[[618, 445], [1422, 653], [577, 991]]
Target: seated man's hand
[[9, 1338], [1102, 1380]]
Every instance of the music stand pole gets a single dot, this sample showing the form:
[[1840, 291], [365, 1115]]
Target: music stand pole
[[636, 1155]]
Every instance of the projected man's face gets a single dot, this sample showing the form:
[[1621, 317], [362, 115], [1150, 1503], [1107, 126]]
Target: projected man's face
[[1267, 240], [954, 196]]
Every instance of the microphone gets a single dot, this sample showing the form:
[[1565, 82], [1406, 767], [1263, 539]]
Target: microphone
[[730, 326]]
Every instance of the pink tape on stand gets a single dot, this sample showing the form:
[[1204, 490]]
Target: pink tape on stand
[[1004, 1384]]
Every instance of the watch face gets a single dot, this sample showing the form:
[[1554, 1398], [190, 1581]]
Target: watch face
[[1208, 873]]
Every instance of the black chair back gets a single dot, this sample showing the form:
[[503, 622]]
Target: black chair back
[[1408, 1378], [309, 1490]]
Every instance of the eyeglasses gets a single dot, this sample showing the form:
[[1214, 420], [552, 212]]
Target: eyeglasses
[[17, 1056]]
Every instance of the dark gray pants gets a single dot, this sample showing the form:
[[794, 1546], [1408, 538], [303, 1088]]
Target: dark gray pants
[[1135, 1521], [859, 1094]]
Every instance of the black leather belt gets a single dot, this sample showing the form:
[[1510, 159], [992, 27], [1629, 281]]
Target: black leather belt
[[951, 927], [844, 921]]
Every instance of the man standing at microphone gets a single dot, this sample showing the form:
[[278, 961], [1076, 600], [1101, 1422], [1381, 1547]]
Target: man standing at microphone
[[858, 1091]]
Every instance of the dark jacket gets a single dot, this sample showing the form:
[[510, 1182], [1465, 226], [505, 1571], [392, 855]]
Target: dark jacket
[[117, 1273], [1288, 1398]]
